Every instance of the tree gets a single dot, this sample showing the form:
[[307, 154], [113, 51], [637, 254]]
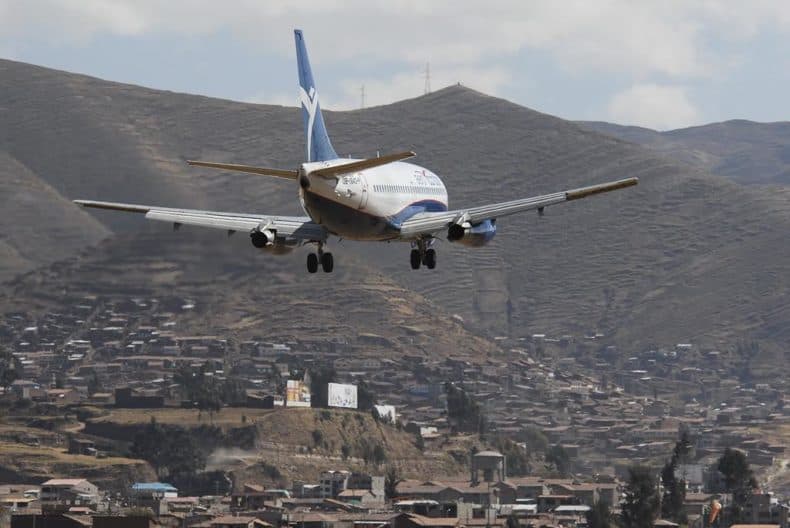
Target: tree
[[512, 521], [674, 494], [8, 373], [599, 515], [738, 479], [391, 481], [560, 459], [683, 447], [318, 437], [518, 462], [94, 384], [366, 399], [463, 410], [535, 439], [642, 502], [172, 451], [320, 378]]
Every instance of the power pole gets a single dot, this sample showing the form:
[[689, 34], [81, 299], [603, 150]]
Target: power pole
[[362, 96], [427, 78]]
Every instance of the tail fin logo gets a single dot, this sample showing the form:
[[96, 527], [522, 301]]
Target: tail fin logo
[[310, 104]]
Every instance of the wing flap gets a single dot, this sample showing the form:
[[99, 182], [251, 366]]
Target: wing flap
[[300, 227], [356, 166]]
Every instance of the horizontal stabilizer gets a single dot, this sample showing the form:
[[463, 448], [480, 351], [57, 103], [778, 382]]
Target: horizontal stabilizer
[[356, 166], [278, 173]]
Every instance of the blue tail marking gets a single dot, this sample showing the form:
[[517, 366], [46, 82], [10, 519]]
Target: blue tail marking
[[317, 143]]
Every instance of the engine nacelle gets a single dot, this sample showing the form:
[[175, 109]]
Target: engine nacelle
[[262, 238], [267, 240], [472, 235]]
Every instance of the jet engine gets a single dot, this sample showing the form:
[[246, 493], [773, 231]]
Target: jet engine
[[269, 241], [473, 235]]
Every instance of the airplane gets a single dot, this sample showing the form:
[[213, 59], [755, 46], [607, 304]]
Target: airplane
[[377, 199]]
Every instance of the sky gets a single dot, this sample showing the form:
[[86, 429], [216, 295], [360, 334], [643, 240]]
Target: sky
[[661, 64]]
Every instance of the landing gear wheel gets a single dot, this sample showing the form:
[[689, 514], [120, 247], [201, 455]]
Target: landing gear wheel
[[415, 259], [327, 262], [430, 258], [312, 262]]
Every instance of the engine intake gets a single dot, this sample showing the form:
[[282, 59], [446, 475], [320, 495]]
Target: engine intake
[[472, 235], [457, 232], [261, 239]]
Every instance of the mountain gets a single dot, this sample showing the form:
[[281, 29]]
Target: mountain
[[685, 256], [744, 151]]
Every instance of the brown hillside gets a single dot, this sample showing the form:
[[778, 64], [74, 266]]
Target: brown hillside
[[686, 256]]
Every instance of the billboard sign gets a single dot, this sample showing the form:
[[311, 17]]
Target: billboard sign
[[386, 413], [297, 394], [342, 395]]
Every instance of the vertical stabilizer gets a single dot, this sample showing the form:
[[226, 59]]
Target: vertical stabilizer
[[317, 143]]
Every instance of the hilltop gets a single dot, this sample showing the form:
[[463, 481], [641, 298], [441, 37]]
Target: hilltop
[[744, 151]]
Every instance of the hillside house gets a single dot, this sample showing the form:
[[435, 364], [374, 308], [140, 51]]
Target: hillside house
[[62, 494]]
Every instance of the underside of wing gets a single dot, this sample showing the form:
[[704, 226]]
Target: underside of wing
[[297, 227], [429, 223]]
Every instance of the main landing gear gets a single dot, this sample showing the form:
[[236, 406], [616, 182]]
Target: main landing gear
[[422, 254], [324, 258]]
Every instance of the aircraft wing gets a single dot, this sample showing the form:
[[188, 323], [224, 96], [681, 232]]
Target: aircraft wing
[[428, 223], [299, 227]]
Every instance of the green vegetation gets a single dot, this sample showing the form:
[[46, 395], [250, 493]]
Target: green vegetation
[[320, 377], [518, 461], [558, 457], [171, 450], [94, 383], [391, 481], [535, 440], [738, 480], [600, 516], [642, 500], [464, 412], [318, 437], [366, 399], [206, 392], [674, 493]]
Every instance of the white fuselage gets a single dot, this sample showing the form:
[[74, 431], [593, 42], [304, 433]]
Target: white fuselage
[[372, 203]]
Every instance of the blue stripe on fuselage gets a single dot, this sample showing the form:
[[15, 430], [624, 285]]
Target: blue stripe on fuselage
[[345, 221], [423, 206]]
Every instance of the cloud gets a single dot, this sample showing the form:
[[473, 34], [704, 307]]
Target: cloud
[[639, 38], [660, 107], [274, 98], [486, 45]]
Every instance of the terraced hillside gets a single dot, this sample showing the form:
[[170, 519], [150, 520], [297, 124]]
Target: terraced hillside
[[686, 256]]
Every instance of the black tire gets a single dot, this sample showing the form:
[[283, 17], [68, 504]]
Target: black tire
[[327, 262], [430, 258], [415, 259], [312, 263]]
